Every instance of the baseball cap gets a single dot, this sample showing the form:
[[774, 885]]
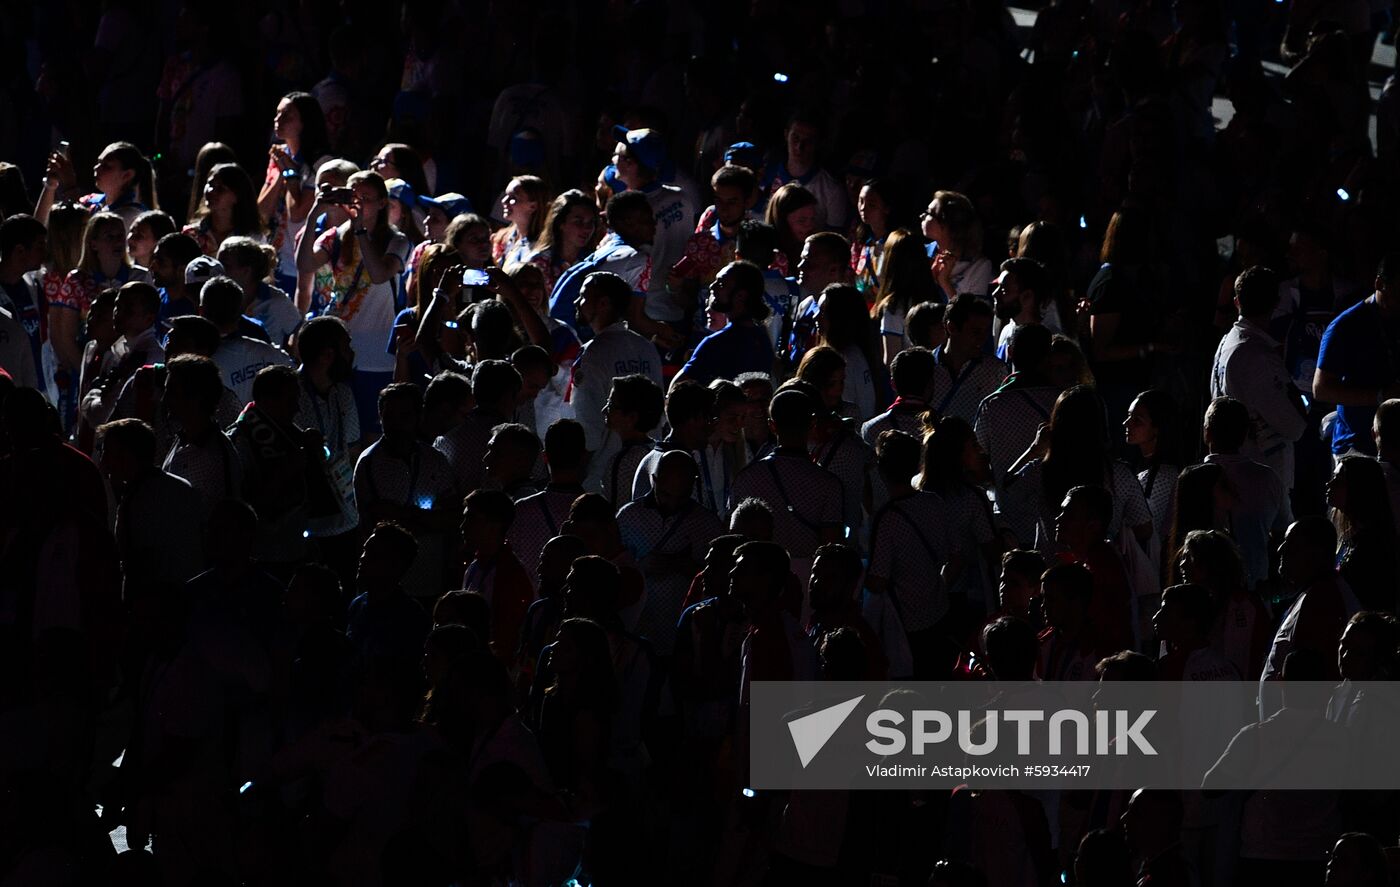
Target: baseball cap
[[401, 191], [452, 204], [646, 146], [745, 154], [612, 181], [202, 269]]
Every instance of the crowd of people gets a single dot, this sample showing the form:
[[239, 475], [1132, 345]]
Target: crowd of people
[[421, 423]]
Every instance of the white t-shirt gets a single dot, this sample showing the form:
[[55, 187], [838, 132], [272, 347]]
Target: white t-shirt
[[675, 222], [239, 359], [614, 351], [860, 384], [367, 308]]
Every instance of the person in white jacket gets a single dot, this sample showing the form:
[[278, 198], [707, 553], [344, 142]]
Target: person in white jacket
[[1249, 367]]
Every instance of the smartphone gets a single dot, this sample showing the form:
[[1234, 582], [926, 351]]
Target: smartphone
[[63, 147], [340, 196], [451, 324], [475, 277]]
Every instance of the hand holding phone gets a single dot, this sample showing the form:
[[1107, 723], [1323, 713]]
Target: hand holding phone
[[339, 196], [475, 277]]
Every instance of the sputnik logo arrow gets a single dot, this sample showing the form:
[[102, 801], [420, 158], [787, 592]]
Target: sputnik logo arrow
[[811, 732]]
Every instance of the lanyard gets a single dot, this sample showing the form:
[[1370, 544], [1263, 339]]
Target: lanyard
[[782, 494], [836, 443], [708, 480], [675, 524], [617, 466], [339, 418], [958, 380]]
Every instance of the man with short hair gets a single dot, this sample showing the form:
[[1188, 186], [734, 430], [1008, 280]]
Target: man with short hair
[[911, 376], [202, 454], [643, 165], [203, 269], [173, 254], [757, 242], [384, 622], [912, 555], [510, 457], [802, 139], [158, 514], [403, 479], [1356, 366], [1260, 503], [742, 346], [1021, 296], [540, 516], [1315, 619], [1008, 418], [775, 648], [494, 571], [239, 357], [965, 373], [1081, 526], [1385, 431], [1249, 367], [496, 385], [275, 454], [667, 533], [632, 411], [689, 413], [615, 350], [758, 391], [806, 499], [825, 259], [23, 244], [138, 307]]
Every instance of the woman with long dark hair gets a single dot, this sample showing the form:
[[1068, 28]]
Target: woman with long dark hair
[[122, 175], [1360, 502], [399, 161], [845, 326], [875, 208], [1071, 450], [905, 281], [569, 230], [1153, 428], [792, 211], [1201, 500], [209, 156], [229, 209], [289, 184], [1125, 310]]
